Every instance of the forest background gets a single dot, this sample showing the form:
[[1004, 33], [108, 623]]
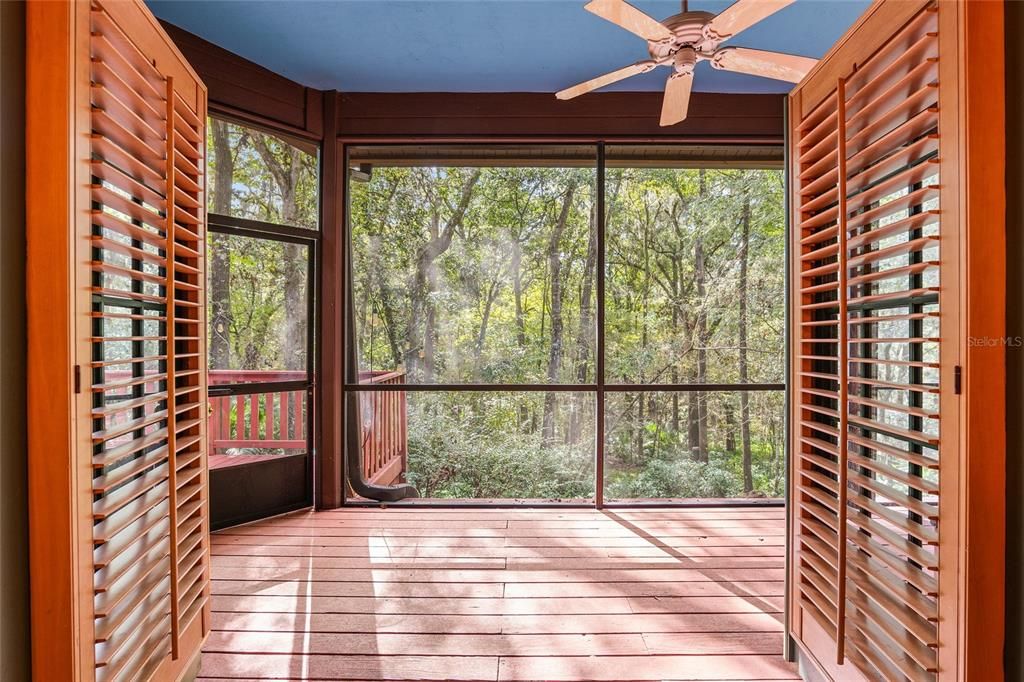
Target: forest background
[[486, 274]]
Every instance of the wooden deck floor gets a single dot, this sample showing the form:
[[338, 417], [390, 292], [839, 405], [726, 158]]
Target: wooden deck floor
[[500, 594]]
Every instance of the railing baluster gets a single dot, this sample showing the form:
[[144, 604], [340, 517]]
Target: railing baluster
[[239, 430], [386, 428], [287, 423], [254, 417], [393, 425], [223, 432], [269, 397], [377, 419]]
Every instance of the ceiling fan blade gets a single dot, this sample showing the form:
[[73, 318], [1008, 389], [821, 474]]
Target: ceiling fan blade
[[741, 15], [630, 18], [606, 79], [677, 98], [783, 67]]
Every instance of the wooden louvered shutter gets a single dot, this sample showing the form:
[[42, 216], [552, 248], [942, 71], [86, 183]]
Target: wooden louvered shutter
[[892, 198], [118, 481]]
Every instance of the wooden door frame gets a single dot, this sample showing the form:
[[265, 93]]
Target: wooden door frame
[[60, 561], [978, 574]]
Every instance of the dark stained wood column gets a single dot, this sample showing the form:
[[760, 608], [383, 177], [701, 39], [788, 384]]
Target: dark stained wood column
[[330, 486]]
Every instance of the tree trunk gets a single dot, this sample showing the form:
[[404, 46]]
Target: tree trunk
[[676, 291], [584, 336], [220, 262], [640, 430], [555, 310], [517, 294], [730, 427], [748, 477], [286, 170], [493, 289], [387, 315], [693, 425], [429, 269], [700, 268]]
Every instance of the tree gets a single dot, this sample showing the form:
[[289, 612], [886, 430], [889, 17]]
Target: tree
[[698, 404], [555, 274], [223, 166], [285, 165], [422, 328], [748, 477]]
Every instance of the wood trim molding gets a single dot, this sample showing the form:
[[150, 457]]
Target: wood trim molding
[[877, 23], [611, 115]]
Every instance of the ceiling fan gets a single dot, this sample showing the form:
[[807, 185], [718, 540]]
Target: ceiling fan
[[686, 38]]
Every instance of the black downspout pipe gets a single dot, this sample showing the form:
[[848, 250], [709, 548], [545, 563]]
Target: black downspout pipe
[[353, 448]]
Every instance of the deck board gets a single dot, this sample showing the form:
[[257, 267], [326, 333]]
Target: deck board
[[500, 594]]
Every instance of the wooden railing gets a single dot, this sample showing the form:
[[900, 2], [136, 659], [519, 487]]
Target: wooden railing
[[384, 429], [258, 420], [280, 420]]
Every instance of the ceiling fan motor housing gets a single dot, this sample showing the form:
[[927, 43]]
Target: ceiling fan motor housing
[[687, 31]]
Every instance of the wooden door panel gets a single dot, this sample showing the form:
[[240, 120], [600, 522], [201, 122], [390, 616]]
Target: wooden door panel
[[125, 157], [879, 463]]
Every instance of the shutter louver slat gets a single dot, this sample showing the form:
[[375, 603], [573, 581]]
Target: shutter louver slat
[[104, 485], [146, 152], [130, 115], [867, 443], [133, 564], [107, 151], [147, 399]]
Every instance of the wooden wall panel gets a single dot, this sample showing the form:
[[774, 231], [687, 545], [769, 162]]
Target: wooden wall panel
[[712, 117], [244, 90]]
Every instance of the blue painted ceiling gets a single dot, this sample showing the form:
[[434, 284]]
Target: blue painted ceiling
[[478, 45]]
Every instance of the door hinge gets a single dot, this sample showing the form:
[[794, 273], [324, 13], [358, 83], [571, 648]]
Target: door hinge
[[957, 379], [78, 378]]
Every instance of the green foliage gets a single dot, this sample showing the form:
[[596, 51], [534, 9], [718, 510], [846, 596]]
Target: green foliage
[[257, 287], [473, 447], [488, 275], [680, 477]]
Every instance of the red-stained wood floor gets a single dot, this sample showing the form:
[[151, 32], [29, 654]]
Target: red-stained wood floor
[[500, 594]]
